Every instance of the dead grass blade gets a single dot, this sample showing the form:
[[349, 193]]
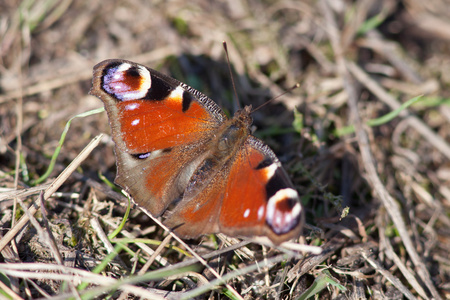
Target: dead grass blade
[[363, 141], [51, 189]]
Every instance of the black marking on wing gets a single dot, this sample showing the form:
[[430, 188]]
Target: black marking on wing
[[276, 182], [133, 71], [187, 100], [265, 163], [159, 89], [140, 156]]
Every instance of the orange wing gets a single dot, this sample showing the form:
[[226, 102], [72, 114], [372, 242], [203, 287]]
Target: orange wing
[[250, 196], [159, 126], [259, 197]]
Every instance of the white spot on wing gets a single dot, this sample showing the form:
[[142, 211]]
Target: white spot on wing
[[135, 122], [122, 68], [288, 218], [132, 106], [146, 79], [283, 194], [270, 170], [246, 212], [260, 212], [296, 210], [177, 93]]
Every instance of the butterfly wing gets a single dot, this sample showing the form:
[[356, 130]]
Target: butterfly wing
[[251, 196], [260, 199], [160, 127]]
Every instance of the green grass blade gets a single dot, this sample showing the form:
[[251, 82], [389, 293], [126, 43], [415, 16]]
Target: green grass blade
[[122, 224], [61, 142], [319, 284], [379, 121]]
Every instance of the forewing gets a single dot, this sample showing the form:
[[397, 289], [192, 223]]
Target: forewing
[[160, 127]]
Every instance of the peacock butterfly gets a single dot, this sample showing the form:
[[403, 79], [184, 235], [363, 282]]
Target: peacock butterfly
[[179, 155]]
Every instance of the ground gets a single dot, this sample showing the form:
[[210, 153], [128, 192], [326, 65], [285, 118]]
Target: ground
[[376, 195]]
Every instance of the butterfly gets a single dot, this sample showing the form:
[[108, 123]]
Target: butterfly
[[179, 156]]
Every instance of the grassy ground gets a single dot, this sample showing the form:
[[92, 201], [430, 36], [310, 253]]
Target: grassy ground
[[377, 196]]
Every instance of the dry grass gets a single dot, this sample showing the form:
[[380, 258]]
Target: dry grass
[[355, 61]]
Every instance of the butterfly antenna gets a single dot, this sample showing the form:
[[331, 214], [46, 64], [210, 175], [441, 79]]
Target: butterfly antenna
[[231, 73], [297, 85]]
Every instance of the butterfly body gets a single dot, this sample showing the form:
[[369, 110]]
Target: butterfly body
[[178, 155]]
